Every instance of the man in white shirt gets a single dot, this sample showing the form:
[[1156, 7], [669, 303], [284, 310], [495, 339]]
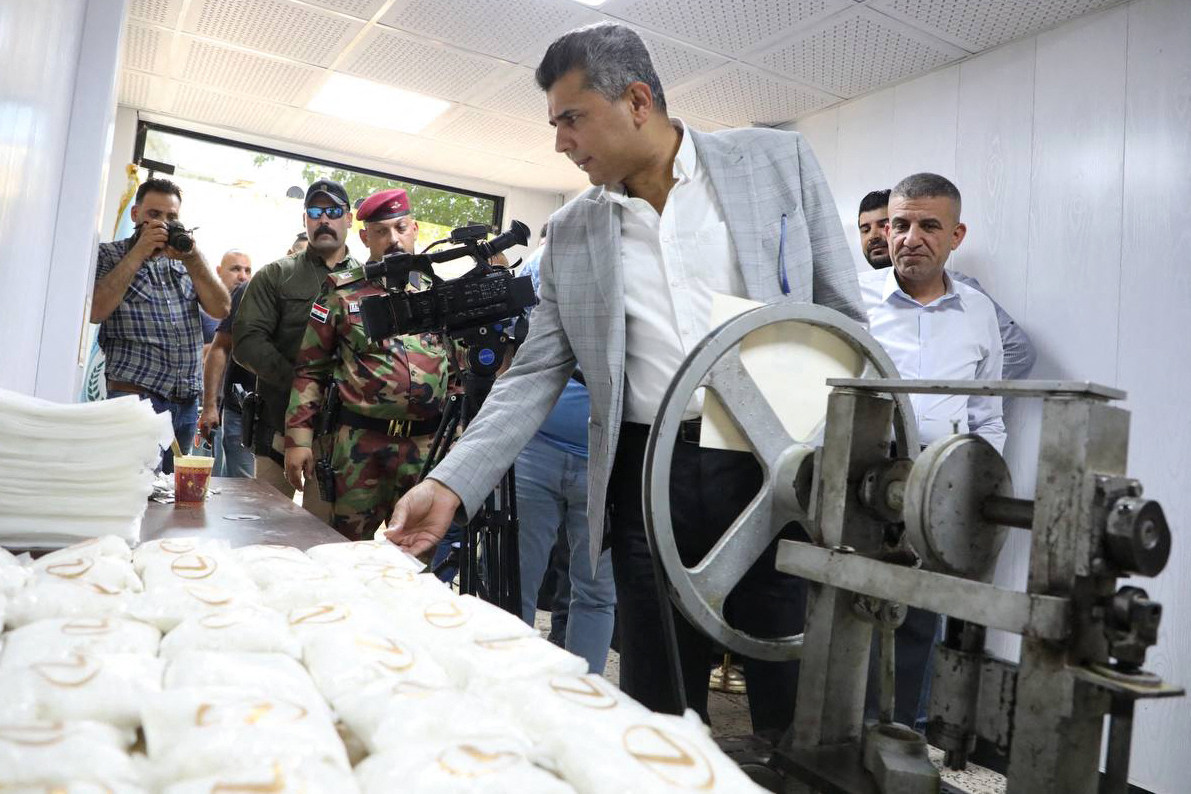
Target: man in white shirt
[[933, 326], [873, 222], [627, 275]]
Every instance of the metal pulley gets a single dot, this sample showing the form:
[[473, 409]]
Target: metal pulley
[[944, 500], [700, 591]]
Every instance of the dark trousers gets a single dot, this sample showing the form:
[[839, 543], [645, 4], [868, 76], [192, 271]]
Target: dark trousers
[[709, 489]]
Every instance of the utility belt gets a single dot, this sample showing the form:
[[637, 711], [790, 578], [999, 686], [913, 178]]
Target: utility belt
[[402, 428]]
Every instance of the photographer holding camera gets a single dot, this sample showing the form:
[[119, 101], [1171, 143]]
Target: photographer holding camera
[[148, 289], [391, 392]]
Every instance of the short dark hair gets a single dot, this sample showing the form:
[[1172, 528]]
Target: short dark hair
[[611, 56], [874, 201], [927, 185], [300, 238], [157, 186]]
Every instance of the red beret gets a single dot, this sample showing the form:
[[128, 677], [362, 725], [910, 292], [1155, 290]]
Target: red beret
[[384, 205]]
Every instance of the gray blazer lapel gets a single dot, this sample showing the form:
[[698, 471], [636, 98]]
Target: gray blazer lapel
[[731, 173]]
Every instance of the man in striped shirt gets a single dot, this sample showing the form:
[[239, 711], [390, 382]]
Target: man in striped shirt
[[147, 298]]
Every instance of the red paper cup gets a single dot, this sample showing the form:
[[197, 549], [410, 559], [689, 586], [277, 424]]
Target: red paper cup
[[191, 475]]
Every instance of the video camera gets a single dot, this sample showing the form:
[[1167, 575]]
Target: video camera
[[485, 294]]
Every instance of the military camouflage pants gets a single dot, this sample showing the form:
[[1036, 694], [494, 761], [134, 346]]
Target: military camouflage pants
[[372, 471]]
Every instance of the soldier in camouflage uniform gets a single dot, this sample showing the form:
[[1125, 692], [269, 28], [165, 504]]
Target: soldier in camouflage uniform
[[393, 392]]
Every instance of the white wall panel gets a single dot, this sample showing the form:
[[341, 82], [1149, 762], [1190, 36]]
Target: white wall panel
[[992, 169], [1075, 197], [36, 87], [1152, 359], [923, 134], [80, 198], [864, 161], [1073, 152], [822, 133]]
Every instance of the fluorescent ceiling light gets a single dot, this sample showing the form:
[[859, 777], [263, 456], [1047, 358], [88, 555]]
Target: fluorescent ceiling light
[[380, 105], [591, 2]]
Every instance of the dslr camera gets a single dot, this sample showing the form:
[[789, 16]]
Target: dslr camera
[[180, 238], [484, 295]]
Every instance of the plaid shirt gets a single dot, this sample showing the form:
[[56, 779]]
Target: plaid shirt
[[154, 338]]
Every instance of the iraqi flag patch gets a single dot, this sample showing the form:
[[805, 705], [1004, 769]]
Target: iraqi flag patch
[[319, 313]]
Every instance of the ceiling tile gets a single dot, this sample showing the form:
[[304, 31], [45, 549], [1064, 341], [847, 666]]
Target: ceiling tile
[[433, 155], [223, 110], [502, 30], [273, 26], [252, 65], [135, 89], [511, 90], [338, 135], [700, 124], [147, 48], [979, 24], [241, 72], [497, 134], [417, 65], [676, 62], [538, 177], [360, 9], [855, 52], [729, 28], [162, 12], [739, 95]]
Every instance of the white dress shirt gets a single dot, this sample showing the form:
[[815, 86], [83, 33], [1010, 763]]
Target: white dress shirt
[[672, 264], [954, 337]]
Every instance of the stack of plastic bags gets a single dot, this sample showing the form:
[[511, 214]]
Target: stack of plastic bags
[[69, 472], [342, 670]]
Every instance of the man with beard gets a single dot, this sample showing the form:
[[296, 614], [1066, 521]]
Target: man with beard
[[392, 392], [873, 221], [272, 319]]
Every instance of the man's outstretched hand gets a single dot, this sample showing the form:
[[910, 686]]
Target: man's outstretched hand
[[421, 517]]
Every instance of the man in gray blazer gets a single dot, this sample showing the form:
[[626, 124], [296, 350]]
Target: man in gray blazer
[[626, 281]]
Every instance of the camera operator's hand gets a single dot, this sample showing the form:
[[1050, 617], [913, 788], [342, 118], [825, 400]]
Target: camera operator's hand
[[299, 466], [153, 238], [421, 517]]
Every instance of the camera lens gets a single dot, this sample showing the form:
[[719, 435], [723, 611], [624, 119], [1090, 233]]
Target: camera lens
[[179, 239]]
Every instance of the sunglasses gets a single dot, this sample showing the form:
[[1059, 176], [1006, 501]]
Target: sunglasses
[[314, 213]]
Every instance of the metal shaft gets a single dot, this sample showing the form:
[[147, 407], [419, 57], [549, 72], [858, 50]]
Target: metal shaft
[[888, 672], [1009, 512]]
